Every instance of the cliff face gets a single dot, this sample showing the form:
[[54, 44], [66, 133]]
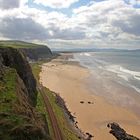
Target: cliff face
[[31, 50], [19, 118], [37, 53], [15, 59]]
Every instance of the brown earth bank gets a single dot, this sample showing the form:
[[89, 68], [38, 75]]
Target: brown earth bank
[[19, 118], [92, 113]]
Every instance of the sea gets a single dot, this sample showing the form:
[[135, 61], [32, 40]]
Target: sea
[[115, 75]]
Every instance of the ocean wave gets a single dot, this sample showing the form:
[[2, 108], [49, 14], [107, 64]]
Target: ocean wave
[[126, 74], [123, 77], [135, 74], [113, 68], [85, 54], [137, 77], [123, 72], [100, 62], [137, 89]]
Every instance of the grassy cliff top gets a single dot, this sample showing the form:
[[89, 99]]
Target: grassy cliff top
[[18, 44]]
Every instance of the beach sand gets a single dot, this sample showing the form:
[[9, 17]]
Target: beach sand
[[68, 79]]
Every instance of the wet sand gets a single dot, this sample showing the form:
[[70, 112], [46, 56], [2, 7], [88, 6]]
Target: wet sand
[[92, 112]]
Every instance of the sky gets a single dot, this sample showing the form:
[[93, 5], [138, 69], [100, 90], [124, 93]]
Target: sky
[[72, 23]]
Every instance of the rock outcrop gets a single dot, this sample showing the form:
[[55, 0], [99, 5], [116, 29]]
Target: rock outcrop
[[40, 52], [120, 133], [13, 58]]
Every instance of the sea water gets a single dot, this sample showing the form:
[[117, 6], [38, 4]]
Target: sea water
[[126, 65], [114, 74]]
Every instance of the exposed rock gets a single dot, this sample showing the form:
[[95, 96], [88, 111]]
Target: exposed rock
[[61, 103], [89, 102], [89, 136], [120, 133], [19, 119], [37, 53], [81, 102], [15, 59]]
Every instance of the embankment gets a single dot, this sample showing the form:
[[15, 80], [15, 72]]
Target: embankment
[[19, 118]]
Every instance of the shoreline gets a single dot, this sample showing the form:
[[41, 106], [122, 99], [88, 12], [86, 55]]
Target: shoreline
[[92, 112], [71, 119]]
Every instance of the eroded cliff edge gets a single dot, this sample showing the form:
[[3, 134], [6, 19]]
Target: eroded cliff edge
[[19, 118], [31, 50]]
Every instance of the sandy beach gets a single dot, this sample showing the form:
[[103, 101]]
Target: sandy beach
[[92, 112]]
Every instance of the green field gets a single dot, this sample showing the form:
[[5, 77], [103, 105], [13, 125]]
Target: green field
[[18, 44]]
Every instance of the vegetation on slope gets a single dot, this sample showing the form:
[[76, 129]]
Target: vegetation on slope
[[31, 50], [19, 119], [8, 119], [7, 90], [59, 112], [17, 44]]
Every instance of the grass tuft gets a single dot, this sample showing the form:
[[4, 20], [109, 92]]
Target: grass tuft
[[7, 90]]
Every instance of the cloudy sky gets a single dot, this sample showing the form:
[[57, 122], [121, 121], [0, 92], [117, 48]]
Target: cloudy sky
[[72, 23]]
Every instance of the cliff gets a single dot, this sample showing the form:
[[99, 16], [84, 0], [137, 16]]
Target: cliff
[[31, 50], [41, 52], [16, 60], [19, 118]]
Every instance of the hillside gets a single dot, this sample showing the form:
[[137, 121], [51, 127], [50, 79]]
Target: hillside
[[17, 44], [31, 50], [19, 118]]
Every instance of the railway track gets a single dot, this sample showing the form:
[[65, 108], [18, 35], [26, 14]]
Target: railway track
[[52, 117]]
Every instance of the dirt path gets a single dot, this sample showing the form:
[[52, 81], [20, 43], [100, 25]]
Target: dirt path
[[54, 123]]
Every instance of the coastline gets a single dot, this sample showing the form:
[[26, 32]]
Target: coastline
[[92, 112]]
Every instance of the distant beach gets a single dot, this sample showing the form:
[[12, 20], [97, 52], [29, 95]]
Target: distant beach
[[71, 81]]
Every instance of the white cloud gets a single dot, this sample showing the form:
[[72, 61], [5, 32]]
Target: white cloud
[[56, 3], [23, 3], [109, 23]]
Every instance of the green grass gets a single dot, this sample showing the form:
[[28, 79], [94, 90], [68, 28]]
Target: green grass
[[63, 123], [41, 108], [18, 44], [8, 118], [40, 104], [15, 119], [7, 90], [36, 69], [11, 122], [8, 96]]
